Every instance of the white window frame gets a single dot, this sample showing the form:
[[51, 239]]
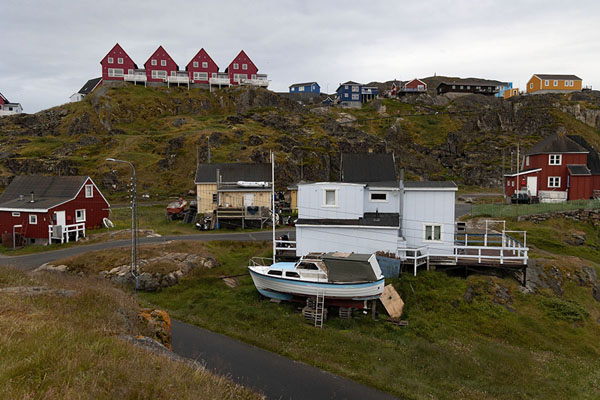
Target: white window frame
[[300, 89], [153, 62], [554, 182], [120, 60], [33, 219], [433, 226], [555, 159], [378, 200], [195, 64], [204, 64], [572, 83], [129, 72], [213, 75], [355, 88], [567, 83], [163, 63], [236, 66], [115, 72], [335, 196], [244, 66], [16, 214], [89, 191], [555, 82], [159, 74], [546, 82], [527, 161], [80, 218], [531, 85], [200, 76], [355, 97], [111, 60]]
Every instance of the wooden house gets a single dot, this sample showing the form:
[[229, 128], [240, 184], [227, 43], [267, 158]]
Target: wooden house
[[306, 87], [242, 71], [85, 90], [414, 86], [9, 108], [201, 68], [554, 83], [117, 64], [46, 208], [353, 94], [512, 92], [160, 67], [466, 86]]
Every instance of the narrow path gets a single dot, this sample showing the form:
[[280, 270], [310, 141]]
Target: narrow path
[[276, 376], [31, 261]]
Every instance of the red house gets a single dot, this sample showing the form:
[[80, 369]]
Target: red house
[[201, 67], [42, 209], [561, 167], [416, 85], [243, 71], [116, 64], [160, 65]]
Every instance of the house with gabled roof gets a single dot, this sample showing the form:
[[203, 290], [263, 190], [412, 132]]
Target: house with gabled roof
[[471, 86], [116, 64], [243, 71], [559, 168], [161, 67], [8, 108], [354, 94], [201, 68], [43, 209], [554, 83], [414, 86], [305, 87], [86, 89]]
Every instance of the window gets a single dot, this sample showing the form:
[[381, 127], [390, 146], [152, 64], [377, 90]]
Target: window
[[527, 161], [531, 85], [554, 181], [115, 72], [355, 97], [156, 74], [301, 89], [253, 76], [461, 87], [16, 214], [378, 196], [567, 83], [555, 159], [163, 63], [195, 64], [468, 87], [355, 88], [433, 232], [111, 60], [32, 219], [346, 95], [555, 83], [244, 66], [173, 73], [119, 60], [274, 272], [80, 215], [546, 83], [89, 191], [204, 64], [507, 183], [330, 198], [453, 86], [130, 71], [200, 76], [236, 66], [572, 83], [345, 87], [292, 274], [213, 75], [214, 198], [153, 62]]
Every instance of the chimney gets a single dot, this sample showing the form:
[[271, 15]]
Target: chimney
[[21, 197], [32, 200]]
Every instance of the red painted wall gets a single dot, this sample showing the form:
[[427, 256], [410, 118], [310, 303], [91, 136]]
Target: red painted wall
[[160, 55], [511, 183], [202, 56], [96, 208], [240, 60], [581, 187], [414, 84], [116, 53], [542, 161]]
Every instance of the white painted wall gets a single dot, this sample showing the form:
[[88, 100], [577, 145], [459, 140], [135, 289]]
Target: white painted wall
[[346, 239], [311, 201], [391, 205], [429, 206], [16, 109], [75, 97]]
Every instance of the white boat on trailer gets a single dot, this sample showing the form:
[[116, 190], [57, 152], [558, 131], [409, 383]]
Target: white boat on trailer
[[345, 279]]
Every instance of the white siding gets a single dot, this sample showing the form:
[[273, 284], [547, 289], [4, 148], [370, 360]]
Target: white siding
[[345, 239], [391, 205], [429, 206], [349, 201]]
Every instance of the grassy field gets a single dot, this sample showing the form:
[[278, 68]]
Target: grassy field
[[56, 347], [546, 347], [504, 210]]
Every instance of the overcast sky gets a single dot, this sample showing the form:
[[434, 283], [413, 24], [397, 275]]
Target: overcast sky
[[50, 48]]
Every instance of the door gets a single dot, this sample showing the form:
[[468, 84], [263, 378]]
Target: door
[[532, 185], [61, 219], [249, 200]]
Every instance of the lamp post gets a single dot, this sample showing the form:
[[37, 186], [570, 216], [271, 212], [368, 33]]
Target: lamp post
[[134, 224]]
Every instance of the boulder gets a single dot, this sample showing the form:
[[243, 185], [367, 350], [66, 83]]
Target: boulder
[[159, 323]]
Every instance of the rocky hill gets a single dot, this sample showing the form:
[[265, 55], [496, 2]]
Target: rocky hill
[[166, 131]]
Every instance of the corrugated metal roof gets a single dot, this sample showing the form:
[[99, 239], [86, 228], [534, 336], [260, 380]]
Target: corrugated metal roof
[[233, 172], [557, 143], [593, 159], [578, 169], [368, 167], [89, 86], [48, 191]]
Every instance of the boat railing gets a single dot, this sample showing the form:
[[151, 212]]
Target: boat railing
[[260, 261]]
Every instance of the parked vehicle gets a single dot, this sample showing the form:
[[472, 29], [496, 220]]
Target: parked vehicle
[[523, 197], [176, 209]]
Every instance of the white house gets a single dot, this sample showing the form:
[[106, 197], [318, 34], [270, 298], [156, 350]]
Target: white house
[[369, 217], [8, 108], [85, 90]]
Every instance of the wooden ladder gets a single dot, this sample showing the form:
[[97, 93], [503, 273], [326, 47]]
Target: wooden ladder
[[319, 308]]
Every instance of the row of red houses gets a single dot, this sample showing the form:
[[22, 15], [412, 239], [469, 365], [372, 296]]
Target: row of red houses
[[160, 67]]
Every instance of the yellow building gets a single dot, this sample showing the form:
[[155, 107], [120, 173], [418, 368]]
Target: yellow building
[[508, 93], [239, 185], [292, 197], [549, 83]]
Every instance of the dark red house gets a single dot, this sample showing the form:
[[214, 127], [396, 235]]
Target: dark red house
[[202, 67], [160, 65], [240, 68], [116, 64], [43, 209], [416, 85], [561, 167]]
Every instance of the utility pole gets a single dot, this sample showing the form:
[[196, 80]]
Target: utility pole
[[518, 181], [503, 172], [208, 143]]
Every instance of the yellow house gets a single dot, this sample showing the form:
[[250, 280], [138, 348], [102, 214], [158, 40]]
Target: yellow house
[[549, 83], [234, 185], [292, 195], [508, 93]]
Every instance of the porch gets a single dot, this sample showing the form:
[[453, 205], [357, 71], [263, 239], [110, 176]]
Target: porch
[[135, 78], [260, 81], [66, 233], [177, 79], [220, 80]]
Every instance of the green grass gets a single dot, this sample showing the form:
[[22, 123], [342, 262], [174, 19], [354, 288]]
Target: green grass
[[452, 348], [512, 210]]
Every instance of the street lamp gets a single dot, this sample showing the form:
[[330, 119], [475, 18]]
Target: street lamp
[[134, 224]]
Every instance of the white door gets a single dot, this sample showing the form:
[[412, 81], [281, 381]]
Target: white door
[[249, 200], [60, 218], [532, 185]]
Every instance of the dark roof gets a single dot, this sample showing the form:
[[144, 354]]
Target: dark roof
[[473, 83], [4, 98], [369, 219], [578, 169], [368, 167], [558, 76], [48, 191], [89, 86], [593, 159], [557, 143], [303, 84], [233, 172], [351, 268], [430, 184], [350, 83]]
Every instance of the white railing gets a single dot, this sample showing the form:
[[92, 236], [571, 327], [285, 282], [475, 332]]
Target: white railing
[[285, 245], [419, 256], [260, 262], [219, 81], [135, 78], [255, 82], [178, 79], [78, 228]]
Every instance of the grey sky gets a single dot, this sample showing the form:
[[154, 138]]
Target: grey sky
[[50, 48]]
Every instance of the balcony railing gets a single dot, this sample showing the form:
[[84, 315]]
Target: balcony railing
[[405, 89], [135, 78], [178, 79], [260, 80], [219, 81]]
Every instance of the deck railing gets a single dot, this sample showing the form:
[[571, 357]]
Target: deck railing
[[135, 78], [78, 228]]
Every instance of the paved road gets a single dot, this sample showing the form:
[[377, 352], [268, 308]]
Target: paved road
[[31, 261], [276, 376], [461, 209]]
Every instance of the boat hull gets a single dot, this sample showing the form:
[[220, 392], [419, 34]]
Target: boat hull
[[285, 289]]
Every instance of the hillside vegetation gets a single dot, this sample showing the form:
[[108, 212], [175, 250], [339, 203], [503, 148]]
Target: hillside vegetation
[[165, 131]]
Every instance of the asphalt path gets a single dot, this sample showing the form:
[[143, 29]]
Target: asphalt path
[[276, 376], [31, 261]]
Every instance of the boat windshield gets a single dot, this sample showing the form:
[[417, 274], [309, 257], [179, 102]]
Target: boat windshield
[[308, 265]]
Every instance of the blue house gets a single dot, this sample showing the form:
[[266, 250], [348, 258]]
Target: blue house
[[503, 88], [307, 87], [353, 94]]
